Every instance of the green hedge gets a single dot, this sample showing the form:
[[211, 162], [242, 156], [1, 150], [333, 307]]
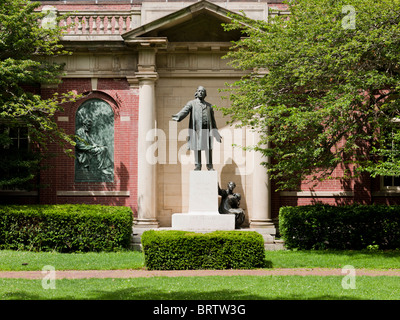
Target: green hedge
[[180, 250], [340, 227], [65, 228]]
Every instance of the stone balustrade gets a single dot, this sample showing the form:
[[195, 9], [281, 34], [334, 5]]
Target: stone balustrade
[[96, 23], [92, 22]]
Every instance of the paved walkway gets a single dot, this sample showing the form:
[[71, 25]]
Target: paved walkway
[[82, 274]]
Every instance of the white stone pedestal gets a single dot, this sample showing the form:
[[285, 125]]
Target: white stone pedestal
[[203, 212], [203, 192], [203, 222]]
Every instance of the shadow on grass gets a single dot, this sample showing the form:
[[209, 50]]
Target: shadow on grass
[[153, 293], [30, 296], [267, 264], [135, 294], [140, 294]]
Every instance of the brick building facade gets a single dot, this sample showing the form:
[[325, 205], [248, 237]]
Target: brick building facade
[[145, 60]]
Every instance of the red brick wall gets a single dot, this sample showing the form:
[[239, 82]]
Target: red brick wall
[[60, 176], [362, 188]]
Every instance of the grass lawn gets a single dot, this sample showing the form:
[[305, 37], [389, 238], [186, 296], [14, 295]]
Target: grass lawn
[[200, 288], [205, 288], [25, 260], [368, 259]]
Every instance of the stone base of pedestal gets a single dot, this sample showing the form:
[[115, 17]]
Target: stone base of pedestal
[[270, 243], [203, 215], [203, 222]]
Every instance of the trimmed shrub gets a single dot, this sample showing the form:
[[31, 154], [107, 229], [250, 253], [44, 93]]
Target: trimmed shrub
[[340, 227], [181, 250], [65, 228]]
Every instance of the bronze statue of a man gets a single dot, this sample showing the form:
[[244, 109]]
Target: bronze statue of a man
[[202, 127]]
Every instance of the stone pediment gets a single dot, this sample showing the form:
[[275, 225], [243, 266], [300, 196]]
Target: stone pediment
[[199, 22]]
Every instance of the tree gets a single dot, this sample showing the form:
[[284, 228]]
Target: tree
[[323, 88], [24, 65]]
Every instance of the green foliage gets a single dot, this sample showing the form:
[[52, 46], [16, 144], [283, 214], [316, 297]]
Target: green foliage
[[25, 63], [340, 227], [65, 228], [321, 93], [18, 169], [180, 250]]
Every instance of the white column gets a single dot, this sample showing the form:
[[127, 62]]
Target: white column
[[147, 180], [261, 216], [145, 79]]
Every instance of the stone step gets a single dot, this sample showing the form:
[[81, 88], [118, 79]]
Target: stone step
[[270, 243]]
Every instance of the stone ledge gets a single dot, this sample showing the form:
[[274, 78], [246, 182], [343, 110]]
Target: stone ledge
[[316, 194], [93, 193]]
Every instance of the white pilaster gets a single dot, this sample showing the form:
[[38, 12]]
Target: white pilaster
[[261, 217], [147, 175], [146, 169]]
